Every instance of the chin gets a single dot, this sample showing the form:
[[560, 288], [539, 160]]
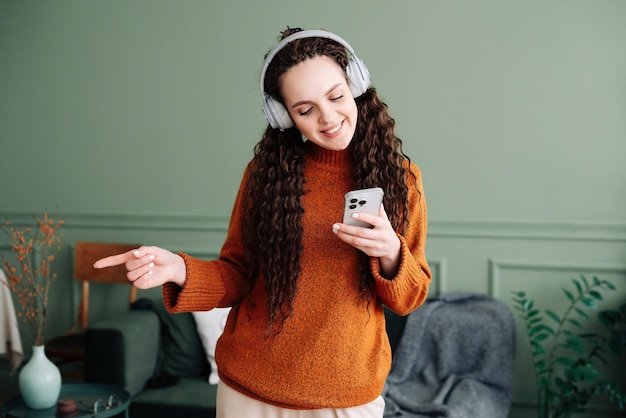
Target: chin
[[338, 147], [342, 144]]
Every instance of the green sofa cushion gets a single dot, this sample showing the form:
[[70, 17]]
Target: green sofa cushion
[[182, 353]]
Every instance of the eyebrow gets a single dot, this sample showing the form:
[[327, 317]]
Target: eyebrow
[[308, 101]]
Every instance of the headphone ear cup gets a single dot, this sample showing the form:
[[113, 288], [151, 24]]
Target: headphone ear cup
[[358, 75], [276, 114]]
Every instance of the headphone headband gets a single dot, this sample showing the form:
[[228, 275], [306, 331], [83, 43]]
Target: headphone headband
[[311, 33], [357, 73]]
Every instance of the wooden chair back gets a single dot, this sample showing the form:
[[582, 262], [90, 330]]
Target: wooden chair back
[[85, 255]]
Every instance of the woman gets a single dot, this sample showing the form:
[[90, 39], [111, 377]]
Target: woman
[[306, 333]]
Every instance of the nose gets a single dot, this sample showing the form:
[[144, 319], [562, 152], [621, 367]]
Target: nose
[[326, 114]]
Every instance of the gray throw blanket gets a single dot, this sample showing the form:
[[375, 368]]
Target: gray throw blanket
[[454, 360]]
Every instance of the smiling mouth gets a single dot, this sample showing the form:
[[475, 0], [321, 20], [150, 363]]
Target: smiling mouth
[[333, 130]]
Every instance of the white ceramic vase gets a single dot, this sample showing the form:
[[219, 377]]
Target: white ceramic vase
[[40, 381]]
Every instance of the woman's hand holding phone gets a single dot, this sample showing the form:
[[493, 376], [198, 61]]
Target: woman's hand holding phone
[[368, 230]]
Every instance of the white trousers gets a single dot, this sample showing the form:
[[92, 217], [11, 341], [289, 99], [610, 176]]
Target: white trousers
[[232, 404]]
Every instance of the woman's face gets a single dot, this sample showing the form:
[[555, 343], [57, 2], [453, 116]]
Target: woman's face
[[319, 100]]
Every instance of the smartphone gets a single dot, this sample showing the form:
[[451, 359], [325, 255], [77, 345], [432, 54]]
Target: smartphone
[[362, 201]]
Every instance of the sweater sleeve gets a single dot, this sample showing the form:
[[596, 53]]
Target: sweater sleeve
[[409, 288], [215, 283]]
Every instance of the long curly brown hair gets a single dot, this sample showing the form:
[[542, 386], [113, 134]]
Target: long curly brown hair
[[276, 181]]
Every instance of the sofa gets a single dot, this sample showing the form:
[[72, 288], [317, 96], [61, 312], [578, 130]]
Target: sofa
[[162, 359]]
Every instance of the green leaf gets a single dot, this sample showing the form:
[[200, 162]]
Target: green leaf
[[575, 323], [564, 385], [532, 313], [528, 304], [600, 357], [609, 284], [595, 294], [564, 361], [537, 348], [539, 328], [554, 316], [582, 313], [540, 366], [573, 344], [569, 295], [589, 302], [608, 318], [578, 287], [520, 309], [585, 281], [518, 301], [588, 374]]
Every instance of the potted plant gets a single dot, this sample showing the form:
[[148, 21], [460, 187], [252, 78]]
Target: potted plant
[[566, 359], [29, 279]]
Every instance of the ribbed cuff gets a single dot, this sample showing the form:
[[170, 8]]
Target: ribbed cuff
[[202, 291]]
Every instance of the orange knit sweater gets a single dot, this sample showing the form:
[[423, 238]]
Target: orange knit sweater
[[333, 352]]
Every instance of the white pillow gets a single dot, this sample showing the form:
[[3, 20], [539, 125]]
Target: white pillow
[[210, 325]]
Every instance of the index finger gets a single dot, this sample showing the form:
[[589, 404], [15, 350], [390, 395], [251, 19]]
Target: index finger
[[114, 260], [370, 219]]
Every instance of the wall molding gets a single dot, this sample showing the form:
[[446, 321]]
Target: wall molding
[[496, 276], [439, 280], [497, 265], [135, 222], [444, 228], [540, 230]]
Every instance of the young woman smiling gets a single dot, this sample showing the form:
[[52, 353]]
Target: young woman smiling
[[306, 333]]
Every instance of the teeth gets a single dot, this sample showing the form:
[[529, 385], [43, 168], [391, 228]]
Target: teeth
[[332, 131]]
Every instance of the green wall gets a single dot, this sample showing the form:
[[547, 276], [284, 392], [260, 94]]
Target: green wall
[[133, 121], [514, 109]]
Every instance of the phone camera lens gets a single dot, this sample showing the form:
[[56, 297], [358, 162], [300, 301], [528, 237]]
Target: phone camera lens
[[352, 206], [353, 200], [362, 202]]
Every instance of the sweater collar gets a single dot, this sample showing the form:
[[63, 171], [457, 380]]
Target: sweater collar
[[328, 157]]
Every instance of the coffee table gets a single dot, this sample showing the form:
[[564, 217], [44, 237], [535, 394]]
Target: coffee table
[[85, 395]]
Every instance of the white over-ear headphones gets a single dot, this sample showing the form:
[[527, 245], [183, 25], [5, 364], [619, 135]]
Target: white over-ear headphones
[[358, 77]]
